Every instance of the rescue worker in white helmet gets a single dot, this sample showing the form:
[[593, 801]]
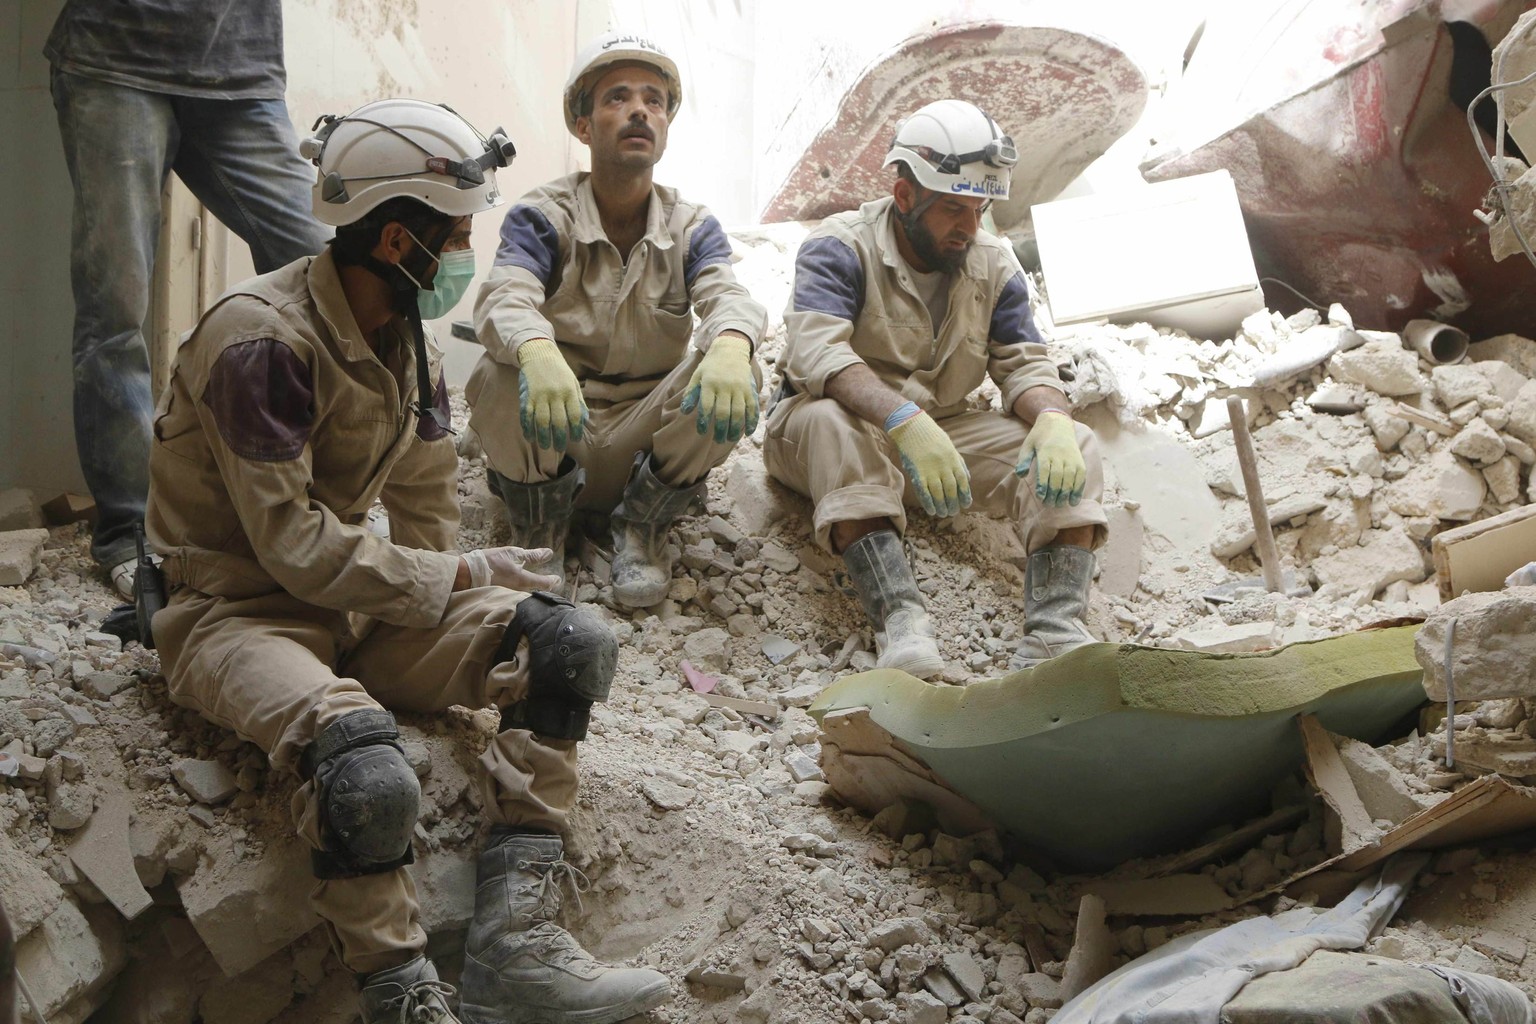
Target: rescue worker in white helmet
[[589, 394], [898, 310], [299, 399]]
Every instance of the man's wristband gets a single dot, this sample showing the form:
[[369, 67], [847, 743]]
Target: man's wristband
[[902, 413]]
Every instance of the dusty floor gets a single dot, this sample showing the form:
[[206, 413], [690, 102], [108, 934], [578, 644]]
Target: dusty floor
[[712, 848]]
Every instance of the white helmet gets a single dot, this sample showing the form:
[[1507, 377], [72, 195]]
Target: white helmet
[[609, 49], [399, 147], [953, 146]]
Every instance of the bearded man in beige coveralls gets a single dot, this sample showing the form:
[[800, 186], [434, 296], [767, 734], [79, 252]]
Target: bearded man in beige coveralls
[[898, 310], [590, 394], [299, 399]]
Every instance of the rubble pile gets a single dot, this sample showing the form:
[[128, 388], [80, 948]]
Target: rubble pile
[[147, 858]]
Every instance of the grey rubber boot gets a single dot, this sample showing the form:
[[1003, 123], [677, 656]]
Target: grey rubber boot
[[522, 968], [1055, 604], [878, 567], [409, 992], [642, 572], [540, 514]]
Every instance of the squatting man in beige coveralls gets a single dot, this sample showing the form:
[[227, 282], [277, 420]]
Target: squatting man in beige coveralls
[[299, 398], [589, 390], [898, 309]]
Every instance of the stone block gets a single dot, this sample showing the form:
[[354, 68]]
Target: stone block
[[1503, 380], [1503, 479], [1478, 442], [901, 931], [1441, 486], [1522, 413], [1384, 557], [1458, 384], [21, 551], [70, 960], [207, 782], [1516, 352], [709, 649], [1493, 653], [246, 910], [1384, 367], [1381, 787], [30, 894], [19, 510]]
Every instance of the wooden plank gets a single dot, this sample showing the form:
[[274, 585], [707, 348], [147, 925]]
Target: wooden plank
[[1476, 557], [1235, 841]]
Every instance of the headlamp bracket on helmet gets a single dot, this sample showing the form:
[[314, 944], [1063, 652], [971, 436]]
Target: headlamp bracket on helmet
[[468, 173]]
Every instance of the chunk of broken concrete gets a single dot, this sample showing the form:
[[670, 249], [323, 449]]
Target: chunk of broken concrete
[[19, 510], [207, 782], [247, 910], [1383, 557], [1218, 637], [21, 551], [709, 649], [1384, 367], [102, 854], [1478, 442], [1493, 652]]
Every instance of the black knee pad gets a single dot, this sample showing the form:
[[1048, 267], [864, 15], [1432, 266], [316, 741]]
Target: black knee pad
[[572, 654], [369, 797]]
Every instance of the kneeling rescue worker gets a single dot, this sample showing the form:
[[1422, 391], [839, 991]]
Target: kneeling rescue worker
[[300, 398]]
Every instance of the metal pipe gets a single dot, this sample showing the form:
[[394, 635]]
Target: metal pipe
[[1440, 343], [1269, 557]]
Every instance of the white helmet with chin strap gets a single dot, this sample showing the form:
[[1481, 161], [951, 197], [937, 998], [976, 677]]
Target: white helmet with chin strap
[[397, 148], [953, 147], [614, 48]]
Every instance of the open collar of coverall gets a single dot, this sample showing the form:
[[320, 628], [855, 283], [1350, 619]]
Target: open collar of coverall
[[587, 228], [397, 383], [965, 283]]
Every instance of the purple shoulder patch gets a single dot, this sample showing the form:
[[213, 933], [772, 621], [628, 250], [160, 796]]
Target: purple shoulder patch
[[262, 399], [426, 427]]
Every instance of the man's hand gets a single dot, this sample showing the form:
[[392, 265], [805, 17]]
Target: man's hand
[[551, 407], [504, 567], [1051, 448], [938, 473], [722, 389]]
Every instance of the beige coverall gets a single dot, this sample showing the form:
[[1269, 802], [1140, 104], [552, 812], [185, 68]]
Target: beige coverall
[[854, 302], [623, 326], [279, 429]]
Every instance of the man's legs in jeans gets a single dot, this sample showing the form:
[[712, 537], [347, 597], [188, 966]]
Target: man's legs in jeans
[[241, 160], [118, 144]]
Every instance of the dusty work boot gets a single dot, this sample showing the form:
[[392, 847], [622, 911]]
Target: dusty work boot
[[410, 992], [522, 968], [540, 514], [1055, 604], [642, 572], [878, 567]]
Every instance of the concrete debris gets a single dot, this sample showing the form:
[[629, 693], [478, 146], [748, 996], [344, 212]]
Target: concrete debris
[[714, 809], [21, 551], [1493, 651], [19, 510], [207, 782]]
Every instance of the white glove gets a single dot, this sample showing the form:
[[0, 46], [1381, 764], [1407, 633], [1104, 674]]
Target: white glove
[[503, 567], [1524, 577]]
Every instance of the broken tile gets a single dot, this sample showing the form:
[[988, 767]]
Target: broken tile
[[101, 852]]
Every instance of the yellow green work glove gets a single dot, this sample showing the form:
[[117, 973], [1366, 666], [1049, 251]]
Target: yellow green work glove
[[722, 389], [551, 406], [928, 456], [1051, 448]]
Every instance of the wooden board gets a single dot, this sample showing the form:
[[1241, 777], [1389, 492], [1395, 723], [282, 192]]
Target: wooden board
[[1478, 556]]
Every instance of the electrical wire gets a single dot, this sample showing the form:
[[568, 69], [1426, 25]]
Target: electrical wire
[[1309, 301]]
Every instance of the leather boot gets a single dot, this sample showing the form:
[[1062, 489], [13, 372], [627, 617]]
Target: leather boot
[[522, 968], [878, 567], [1056, 585], [642, 572], [409, 992], [540, 514]]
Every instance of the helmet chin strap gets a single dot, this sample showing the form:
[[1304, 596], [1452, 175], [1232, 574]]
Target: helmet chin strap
[[404, 288]]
